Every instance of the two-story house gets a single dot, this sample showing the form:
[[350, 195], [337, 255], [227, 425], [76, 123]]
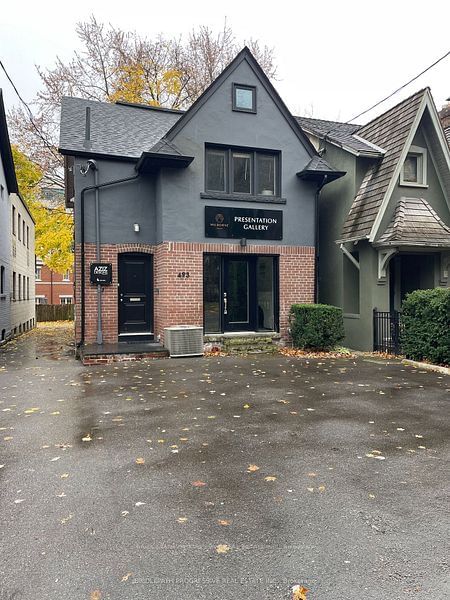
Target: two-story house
[[205, 217], [385, 226]]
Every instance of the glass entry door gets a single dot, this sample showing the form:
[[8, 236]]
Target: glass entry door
[[238, 291]]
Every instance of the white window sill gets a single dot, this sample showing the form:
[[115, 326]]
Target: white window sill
[[412, 184]]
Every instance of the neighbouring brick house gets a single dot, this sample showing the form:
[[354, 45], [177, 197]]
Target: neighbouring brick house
[[52, 287], [206, 216]]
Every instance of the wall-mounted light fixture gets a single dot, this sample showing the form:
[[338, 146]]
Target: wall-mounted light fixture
[[136, 227]]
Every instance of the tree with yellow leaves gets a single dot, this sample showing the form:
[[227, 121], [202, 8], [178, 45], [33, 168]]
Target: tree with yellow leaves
[[54, 226]]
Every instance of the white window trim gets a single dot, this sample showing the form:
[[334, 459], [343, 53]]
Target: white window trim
[[64, 296], [421, 166], [64, 278]]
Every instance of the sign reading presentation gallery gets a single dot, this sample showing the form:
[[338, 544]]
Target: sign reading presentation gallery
[[101, 273], [236, 223]]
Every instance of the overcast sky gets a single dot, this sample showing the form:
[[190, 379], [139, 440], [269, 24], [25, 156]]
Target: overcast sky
[[335, 58]]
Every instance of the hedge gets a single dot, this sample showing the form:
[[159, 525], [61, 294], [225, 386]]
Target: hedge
[[316, 326], [425, 333]]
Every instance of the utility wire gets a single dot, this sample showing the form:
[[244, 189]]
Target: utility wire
[[30, 114], [400, 88]]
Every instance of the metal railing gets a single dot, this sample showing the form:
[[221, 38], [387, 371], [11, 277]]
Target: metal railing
[[386, 331]]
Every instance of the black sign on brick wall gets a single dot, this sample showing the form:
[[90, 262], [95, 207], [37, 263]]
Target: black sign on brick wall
[[237, 223], [101, 273]]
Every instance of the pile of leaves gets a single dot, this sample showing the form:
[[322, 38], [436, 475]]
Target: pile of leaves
[[334, 353]]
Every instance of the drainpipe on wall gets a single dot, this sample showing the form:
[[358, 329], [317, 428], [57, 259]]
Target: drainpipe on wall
[[316, 237], [90, 188], [98, 255]]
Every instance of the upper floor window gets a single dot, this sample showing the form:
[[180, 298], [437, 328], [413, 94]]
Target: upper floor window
[[1, 191], [13, 220], [2, 279], [18, 226], [24, 231], [235, 171], [66, 276], [244, 98], [28, 237], [38, 272], [414, 169]]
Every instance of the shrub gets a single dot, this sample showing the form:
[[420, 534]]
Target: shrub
[[426, 325], [316, 326]]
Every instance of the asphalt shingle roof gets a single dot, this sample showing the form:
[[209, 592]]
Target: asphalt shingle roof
[[390, 131], [116, 129], [415, 223], [342, 134]]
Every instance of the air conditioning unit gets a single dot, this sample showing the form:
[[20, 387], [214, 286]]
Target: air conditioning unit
[[184, 340]]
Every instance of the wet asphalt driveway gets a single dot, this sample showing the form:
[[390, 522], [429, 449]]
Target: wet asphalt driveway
[[220, 478]]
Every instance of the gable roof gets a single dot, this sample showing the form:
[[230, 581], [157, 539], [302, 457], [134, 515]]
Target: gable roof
[[415, 223], [118, 130], [394, 131], [244, 55], [5, 151], [343, 135]]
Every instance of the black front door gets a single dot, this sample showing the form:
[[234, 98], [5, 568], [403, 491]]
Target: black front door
[[239, 293], [135, 294]]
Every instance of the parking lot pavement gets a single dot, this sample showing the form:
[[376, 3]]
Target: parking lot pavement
[[220, 477]]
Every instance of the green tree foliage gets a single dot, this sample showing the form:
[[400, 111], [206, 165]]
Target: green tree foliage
[[54, 226]]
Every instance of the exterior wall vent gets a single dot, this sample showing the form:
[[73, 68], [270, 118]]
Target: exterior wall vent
[[184, 340]]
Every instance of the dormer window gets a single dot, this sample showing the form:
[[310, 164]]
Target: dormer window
[[244, 98], [414, 170]]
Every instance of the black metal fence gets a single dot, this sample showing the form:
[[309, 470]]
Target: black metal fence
[[386, 331], [54, 312]]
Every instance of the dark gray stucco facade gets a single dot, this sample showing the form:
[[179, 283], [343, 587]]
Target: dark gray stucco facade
[[168, 205], [167, 199]]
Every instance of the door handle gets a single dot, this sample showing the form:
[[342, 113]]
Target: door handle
[[225, 303]]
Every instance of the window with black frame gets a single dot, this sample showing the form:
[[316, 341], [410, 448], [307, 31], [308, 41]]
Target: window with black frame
[[242, 171]]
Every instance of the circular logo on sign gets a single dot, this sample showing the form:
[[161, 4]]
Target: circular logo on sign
[[220, 218]]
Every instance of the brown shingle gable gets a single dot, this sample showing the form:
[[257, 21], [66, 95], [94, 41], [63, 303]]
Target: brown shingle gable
[[415, 223], [390, 131]]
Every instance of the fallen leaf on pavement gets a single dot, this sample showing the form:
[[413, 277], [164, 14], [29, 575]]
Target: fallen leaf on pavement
[[252, 468], [96, 595], [198, 483], [140, 461], [224, 522], [299, 592], [270, 478], [222, 549], [126, 577], [182, 519]]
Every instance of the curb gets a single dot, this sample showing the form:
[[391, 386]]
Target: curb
[[427, 366]]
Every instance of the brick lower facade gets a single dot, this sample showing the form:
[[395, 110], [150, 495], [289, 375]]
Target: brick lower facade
[[178, 300]]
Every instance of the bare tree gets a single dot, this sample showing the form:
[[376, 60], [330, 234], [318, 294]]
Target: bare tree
[[113, 65]]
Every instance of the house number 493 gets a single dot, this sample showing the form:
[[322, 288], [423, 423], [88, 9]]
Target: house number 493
[[183, 274]]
